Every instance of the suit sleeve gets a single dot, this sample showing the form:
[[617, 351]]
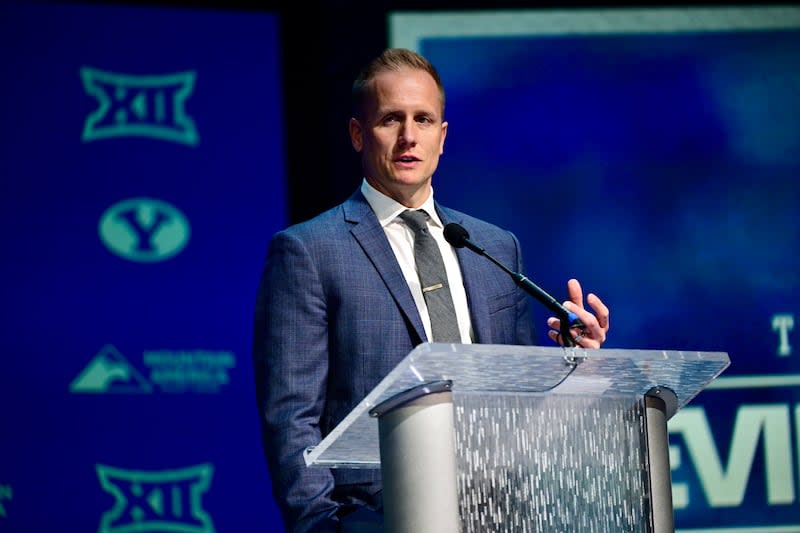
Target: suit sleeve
[[290, 355]]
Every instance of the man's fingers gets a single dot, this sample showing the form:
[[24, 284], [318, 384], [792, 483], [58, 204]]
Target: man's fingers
[[600, 310], [575, 292], [596, 323]]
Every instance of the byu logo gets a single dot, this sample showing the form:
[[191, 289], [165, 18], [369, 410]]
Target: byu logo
[[156, 501], [145, 106], [144, 230]]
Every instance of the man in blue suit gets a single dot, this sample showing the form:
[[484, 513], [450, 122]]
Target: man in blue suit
[[340, 303]]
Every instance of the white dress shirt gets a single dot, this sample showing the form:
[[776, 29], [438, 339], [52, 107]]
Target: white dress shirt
[[401, 238]]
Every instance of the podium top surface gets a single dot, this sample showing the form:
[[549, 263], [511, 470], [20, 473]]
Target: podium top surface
[[487, 369]]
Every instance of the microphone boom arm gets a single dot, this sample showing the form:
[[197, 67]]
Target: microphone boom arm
[[567, 319]]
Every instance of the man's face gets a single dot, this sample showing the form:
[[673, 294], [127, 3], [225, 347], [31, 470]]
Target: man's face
[[401, 135]]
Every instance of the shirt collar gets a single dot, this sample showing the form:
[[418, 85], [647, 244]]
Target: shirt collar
[[387, 209]]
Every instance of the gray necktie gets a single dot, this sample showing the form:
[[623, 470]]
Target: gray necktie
[[433, 278]]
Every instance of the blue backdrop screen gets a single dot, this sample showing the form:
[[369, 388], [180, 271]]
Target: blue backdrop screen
[[653, 155], [142, 175]]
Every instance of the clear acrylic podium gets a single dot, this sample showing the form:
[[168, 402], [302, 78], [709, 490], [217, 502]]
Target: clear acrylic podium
[[498, 438]]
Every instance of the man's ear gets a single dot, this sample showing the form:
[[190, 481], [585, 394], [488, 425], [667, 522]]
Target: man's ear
[[356, 134]]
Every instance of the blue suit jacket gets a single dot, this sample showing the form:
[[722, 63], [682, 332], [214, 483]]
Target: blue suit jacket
[[334, 315]]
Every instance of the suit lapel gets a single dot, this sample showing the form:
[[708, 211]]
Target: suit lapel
[[473, 269], [366, 229]]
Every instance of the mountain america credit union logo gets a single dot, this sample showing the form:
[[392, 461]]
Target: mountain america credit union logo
[[144, 230], [139, 106], [156, 501], [167, 371]]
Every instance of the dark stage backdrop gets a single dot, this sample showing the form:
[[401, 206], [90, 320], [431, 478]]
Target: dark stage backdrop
[[654, 155], [142, 164]]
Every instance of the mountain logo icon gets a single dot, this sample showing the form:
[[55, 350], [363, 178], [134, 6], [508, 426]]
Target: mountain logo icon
[[110, 372]]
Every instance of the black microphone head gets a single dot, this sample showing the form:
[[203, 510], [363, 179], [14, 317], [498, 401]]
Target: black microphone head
[[456, 235]]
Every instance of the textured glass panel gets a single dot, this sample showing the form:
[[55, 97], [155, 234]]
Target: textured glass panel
[[551, 463]]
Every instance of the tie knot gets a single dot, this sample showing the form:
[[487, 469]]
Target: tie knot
[[416, 220]]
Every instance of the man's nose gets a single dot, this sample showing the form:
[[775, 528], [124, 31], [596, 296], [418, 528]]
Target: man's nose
[[408, 134]]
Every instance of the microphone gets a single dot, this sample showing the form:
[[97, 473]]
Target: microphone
[[458, 237]]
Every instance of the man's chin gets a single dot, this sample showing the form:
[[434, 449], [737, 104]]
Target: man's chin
[[411, 178]]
